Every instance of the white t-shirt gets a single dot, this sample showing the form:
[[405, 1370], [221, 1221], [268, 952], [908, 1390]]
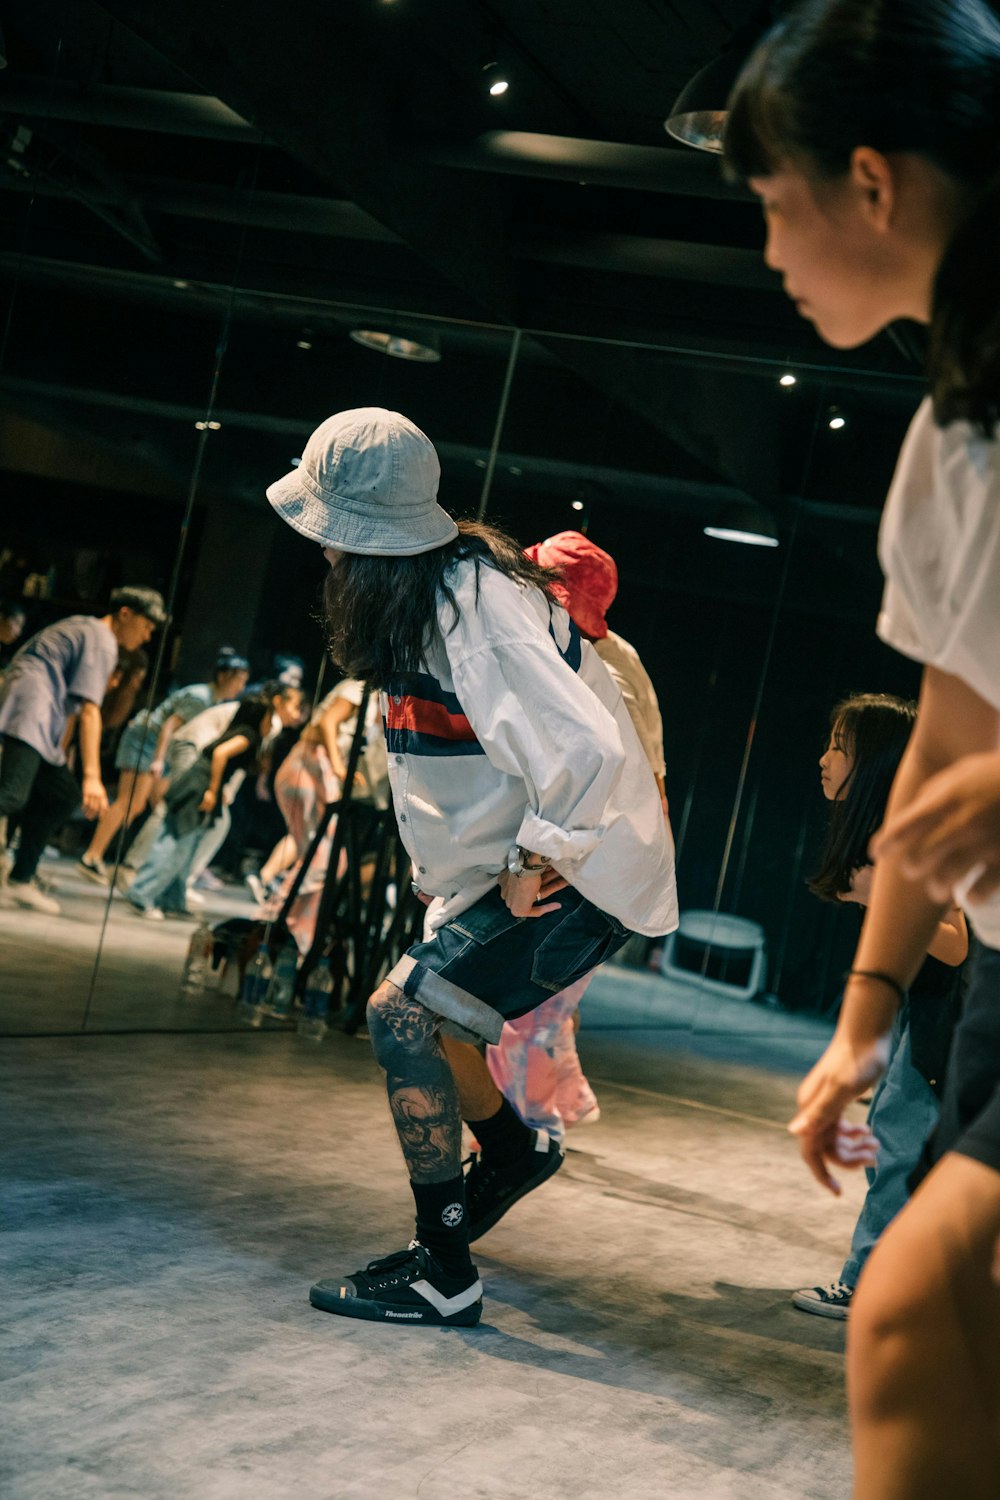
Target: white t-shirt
[[622, 661], [939, 546]]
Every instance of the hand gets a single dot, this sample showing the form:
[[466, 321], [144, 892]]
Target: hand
[[156, 765], [522, 892], [845, 1071], [208, 801], [95, 798], [861, 885], [951, 832]]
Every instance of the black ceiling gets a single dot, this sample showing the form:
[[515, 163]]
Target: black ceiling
[[288, 173]]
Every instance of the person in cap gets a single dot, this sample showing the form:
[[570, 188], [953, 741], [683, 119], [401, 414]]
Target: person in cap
[[63, 670], [524, 800], [535, 1064]]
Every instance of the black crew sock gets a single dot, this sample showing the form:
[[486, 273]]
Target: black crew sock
[[504, 1137], [442, 1225]]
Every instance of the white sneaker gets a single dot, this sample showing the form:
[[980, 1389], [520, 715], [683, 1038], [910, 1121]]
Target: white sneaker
[[193, 897], [255, 886], [151, 913], [26, 893]]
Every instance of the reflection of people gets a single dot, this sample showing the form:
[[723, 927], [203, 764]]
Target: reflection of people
[[194, 801], [62, 671], [149, 755], [516, 777], [535, 1064], [310, 777], [870, 134], [12, 618], [868, 735]]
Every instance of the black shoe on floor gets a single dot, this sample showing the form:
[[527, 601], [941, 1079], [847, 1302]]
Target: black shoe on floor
[[408, 1287], [490, 1191]]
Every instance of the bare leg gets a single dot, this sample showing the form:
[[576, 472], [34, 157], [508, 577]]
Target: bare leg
[[479, 1097], [284, 854], [112, 819], [422, 1093], [924, 1345]]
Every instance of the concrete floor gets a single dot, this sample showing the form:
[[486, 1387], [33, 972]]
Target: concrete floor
[[169, 1199]]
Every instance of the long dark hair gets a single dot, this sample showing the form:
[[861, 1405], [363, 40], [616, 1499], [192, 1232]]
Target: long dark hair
[[873, 728], [380, 612], [896, 75]]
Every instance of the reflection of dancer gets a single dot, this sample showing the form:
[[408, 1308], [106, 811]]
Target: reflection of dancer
[[150, 753], [195, 799], [514, 770], [535, 1064], [870, 133], [309, 778], [868, 736], [61, 671]]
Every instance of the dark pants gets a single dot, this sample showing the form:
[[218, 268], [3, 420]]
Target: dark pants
[[44, 795]]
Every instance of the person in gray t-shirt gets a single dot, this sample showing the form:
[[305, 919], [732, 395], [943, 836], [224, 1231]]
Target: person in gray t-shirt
[[61, 671]]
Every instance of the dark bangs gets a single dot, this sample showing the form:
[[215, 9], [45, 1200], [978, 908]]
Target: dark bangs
[[758, 128]]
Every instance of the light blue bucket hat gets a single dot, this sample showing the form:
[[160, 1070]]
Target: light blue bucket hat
[[367, 483]]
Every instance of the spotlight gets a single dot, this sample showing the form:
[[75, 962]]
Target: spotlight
[[788, 378], [303, 344], [496, 79], [837, 420], [578, 505], [744, 521], [182, 286], [425, 350], [208, 426]]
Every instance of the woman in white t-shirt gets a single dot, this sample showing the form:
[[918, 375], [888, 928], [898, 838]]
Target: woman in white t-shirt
[[310, 777], [871, 134]]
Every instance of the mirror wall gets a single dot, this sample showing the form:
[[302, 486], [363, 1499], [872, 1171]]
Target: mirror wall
[[168, 347]]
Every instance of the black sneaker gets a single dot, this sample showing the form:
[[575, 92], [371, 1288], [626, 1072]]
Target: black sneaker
[[491, 1190], [831, 1301], [408, 1287]]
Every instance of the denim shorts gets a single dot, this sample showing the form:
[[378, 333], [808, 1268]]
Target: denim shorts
[[970, 1110], [487, 966], [136, 747]]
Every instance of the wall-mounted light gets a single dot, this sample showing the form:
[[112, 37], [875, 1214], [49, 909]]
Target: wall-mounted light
[[425, 350], [744, 521]]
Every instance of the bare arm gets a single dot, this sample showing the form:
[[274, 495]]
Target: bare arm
[[168, 730], [221, 756], [901, 925], [340, 710], [95, 798]]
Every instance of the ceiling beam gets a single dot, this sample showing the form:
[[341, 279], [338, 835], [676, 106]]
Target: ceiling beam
[[160, 111]]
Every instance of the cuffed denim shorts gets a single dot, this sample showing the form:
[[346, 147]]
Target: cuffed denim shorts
[[487, 966]]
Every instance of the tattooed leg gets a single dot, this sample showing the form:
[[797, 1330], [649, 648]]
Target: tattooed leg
[[422, 1093]]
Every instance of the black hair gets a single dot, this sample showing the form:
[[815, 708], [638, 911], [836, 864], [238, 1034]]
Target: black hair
[[380, 612], [11, 607], [896, 75], [873, 729]]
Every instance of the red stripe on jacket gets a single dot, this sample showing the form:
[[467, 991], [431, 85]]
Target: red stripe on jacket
[[425, 717]]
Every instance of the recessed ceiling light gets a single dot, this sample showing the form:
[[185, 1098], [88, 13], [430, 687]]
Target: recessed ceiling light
[[423, 351], [836, 420], [788, 378], [497, 81], [578, 505]]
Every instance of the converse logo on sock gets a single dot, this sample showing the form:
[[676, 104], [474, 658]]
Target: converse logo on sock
[[452, 1216]]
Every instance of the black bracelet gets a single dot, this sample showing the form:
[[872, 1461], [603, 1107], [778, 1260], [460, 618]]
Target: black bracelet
[[887, 979]]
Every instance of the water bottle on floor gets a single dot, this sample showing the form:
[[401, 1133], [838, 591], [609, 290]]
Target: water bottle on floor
[[319, 993], [256, 984], [199, 956], [283, 984]]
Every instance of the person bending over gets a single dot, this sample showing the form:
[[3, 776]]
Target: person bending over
[[524, 800]]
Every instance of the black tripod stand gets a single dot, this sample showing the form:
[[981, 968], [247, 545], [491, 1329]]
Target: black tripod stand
[[368, 915]]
